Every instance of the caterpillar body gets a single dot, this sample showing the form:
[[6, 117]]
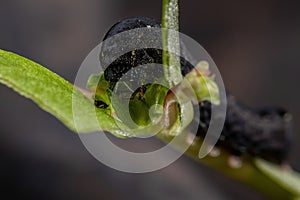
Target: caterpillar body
[[264, 132]]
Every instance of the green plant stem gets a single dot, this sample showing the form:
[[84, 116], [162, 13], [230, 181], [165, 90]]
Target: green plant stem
[[249, 173], [170, 35]]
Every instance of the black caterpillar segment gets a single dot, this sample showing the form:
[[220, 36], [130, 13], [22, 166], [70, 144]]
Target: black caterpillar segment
[[115, 70], [263, 132], [131, 23]]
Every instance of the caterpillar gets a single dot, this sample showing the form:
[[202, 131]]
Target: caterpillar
[[259, 132]]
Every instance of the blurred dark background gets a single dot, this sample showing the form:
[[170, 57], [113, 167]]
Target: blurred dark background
[[255, 44]]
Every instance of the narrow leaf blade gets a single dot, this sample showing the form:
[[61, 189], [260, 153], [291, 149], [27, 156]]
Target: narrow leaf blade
[[290, 180], [52, 93]]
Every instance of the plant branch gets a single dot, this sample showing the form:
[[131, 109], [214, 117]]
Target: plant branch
[[254, 173], [56, 96]]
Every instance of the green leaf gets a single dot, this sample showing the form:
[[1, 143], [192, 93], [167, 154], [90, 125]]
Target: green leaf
[[288, 179], [53, 94]]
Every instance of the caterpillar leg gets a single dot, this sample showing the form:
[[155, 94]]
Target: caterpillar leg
[[190, 139], [215, 152], [235, 162]]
